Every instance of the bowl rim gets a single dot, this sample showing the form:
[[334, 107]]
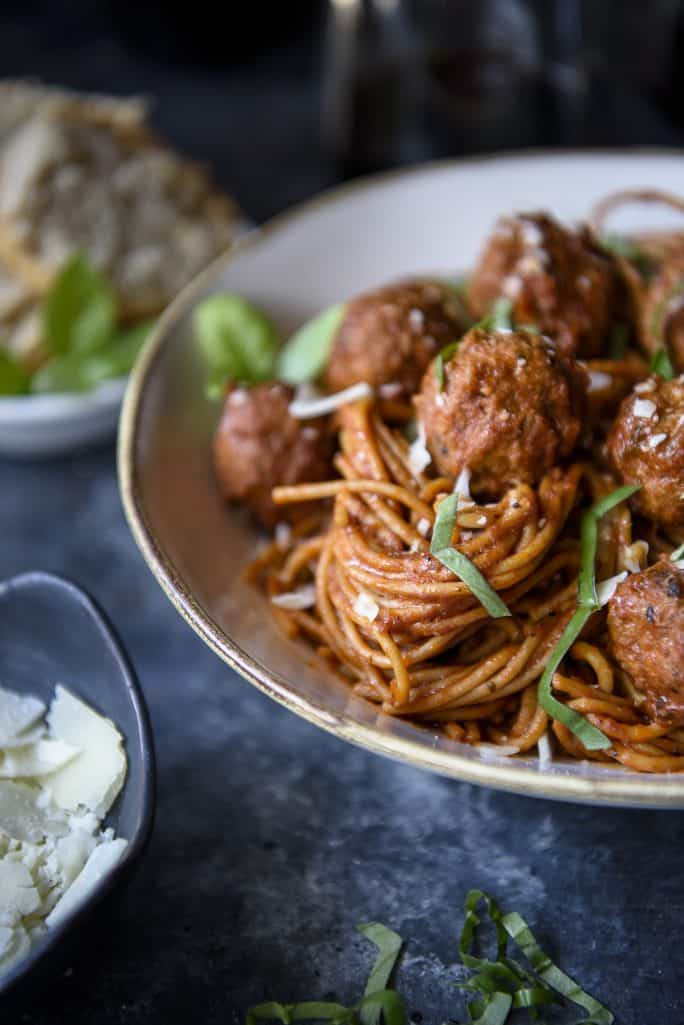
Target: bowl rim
[[634, 790], [138, 842], [50, 406]]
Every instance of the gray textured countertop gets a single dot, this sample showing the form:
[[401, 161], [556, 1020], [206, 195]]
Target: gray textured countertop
[[273, 840]]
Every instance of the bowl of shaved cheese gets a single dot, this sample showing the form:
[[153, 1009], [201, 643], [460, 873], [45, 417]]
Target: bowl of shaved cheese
[[76, 769]]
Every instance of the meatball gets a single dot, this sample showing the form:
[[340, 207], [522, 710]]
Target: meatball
[[646, 447], [509, 408], [646, 625], [388, 337], [660, 305], [557, 279], [258, 445]]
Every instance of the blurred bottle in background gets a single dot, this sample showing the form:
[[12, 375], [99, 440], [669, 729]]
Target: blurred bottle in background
[[409, 80]]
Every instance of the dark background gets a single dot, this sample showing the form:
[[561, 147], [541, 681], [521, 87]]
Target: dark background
[[272, 839]]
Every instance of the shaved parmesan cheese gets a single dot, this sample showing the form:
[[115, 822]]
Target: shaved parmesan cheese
[[544, 749], [17, 713], [18, 895], [656, 439], [306, 409], [644, 386], [99, 864], [418, 456], [634, 557], [95, 777], [51, 857], [489, 751], [606, 588], [644, 408], [365, 607], [462, 488], [423, 526], [282, 534], [303, 598], [598, 381], [37, 759]]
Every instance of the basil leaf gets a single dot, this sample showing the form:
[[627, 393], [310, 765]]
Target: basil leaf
[[79, 311], [389, 945], [519, 931], [14, 380], [661, 364], [62, 373], [305, 354], [75, 372], [493, 1010], [445, 354], [459, 563], [310, 1010], [627, 249], [238, 342], [386, 1004], [500, 316], [592, 738]]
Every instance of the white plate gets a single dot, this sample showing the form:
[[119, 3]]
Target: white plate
[[47, 425], [430, 219]]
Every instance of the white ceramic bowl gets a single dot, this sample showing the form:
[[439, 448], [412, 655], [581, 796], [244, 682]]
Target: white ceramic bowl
[[431, 219], [47, 425]]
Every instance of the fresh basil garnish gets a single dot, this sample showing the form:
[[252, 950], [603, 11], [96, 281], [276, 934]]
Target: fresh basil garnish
[[14, 380], [661, 364], [79, 311], [460, 564], [239, 343], [305, 354], [587, 601]]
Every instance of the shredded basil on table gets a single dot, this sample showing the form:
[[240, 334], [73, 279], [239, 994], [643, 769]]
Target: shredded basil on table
[[502, 983], [661, 364], [587, 603], [460, 564]]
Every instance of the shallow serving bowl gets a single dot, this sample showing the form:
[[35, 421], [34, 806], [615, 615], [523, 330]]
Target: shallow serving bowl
[[51, 632], [431, 219], [48, 425]]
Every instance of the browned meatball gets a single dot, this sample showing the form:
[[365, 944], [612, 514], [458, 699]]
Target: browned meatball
[[510, 409], [258, 445], [646, 447], [557, 279], [389, 336], [661, 308], [646, 625]]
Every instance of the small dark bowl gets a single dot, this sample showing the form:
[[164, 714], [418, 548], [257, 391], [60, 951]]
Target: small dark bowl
[[52, 632]]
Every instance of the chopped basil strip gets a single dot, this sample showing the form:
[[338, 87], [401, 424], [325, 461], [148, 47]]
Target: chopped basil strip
[[499, 317], [389, 945], [660, 313], [305, 354], [661, 364], [627, 249], [239, 343], [308, 1010], [677, 554], [587, 600], [442, 357], [459, 563], [504, 983]]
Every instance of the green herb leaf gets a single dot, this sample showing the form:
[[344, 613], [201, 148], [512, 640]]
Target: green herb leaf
[[627, 249], [677, 554], [309, 1010], [14, 380], [587, 599], [459, 563], [305, 354], [238, 342], [500, 316], [442, 357], [519, 931], [660, 313], [79, 311], [661, 364], [385, 1004], [389, 945], [74, 372]]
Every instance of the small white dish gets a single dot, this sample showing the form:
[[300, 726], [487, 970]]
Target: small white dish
[[49, 425]]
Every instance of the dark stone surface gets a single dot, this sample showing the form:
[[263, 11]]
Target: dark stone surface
[[273, 840]]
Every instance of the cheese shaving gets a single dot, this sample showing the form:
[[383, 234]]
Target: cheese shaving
[[606, 588], [365, 607], [307, 409], [303, 598], [418, 456]]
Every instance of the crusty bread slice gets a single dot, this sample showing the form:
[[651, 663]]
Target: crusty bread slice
[[87, 174]]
